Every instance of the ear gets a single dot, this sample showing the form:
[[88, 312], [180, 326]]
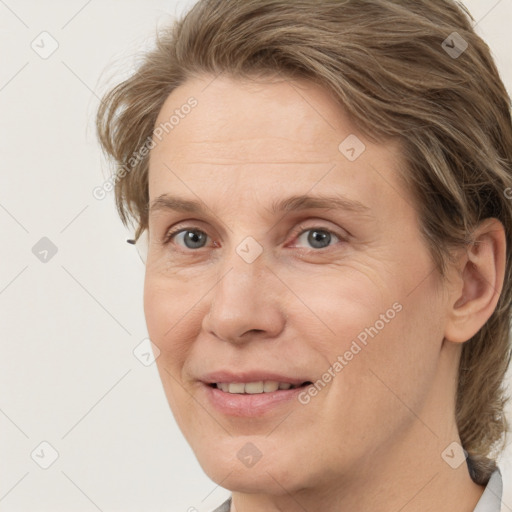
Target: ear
[[479, 282]]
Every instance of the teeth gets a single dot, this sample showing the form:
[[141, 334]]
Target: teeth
[[253, 388], [236, 387], [269, 386]]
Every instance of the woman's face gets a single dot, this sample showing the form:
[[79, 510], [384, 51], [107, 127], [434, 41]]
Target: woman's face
[[297, 260]]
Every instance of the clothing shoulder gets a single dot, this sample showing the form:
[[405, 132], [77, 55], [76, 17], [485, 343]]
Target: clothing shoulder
[[224, 507], [491, 498]]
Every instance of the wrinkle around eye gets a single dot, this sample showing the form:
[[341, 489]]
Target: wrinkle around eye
[[299, 232]]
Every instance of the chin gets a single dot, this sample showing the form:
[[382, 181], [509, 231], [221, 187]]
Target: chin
[[255, 481], [238, 465]]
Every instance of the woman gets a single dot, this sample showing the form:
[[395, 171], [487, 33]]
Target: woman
[[323, 188]]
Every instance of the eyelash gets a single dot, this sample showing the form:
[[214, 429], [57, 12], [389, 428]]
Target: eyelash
[[301, 229]]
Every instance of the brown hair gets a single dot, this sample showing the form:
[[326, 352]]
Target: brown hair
[[386, 64]]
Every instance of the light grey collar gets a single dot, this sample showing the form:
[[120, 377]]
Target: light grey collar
[[491, 498]]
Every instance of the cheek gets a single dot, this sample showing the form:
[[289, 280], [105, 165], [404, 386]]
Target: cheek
[[389, 362], [169, 328], [158, 311], [342, 305], [388, 329], [169, 320]]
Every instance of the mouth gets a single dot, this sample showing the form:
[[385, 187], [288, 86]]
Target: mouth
[[250, 398], [256, 388], [256, 393]]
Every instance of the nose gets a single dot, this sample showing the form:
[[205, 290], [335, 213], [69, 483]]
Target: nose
[[246, 302]]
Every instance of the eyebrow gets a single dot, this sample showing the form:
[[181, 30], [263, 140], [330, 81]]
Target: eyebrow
[[166, 202]]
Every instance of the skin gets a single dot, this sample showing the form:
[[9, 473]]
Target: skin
[[372, 439]]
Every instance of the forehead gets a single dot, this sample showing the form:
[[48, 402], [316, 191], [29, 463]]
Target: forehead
[[251, 119], [264, 134]]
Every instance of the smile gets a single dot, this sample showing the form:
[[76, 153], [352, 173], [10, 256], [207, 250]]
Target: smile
[[253, 388]]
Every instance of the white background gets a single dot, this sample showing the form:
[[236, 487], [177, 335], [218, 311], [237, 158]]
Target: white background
[[68, 375]]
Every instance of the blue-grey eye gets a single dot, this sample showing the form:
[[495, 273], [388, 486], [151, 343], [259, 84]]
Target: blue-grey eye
[[193, 239], [318, 238]]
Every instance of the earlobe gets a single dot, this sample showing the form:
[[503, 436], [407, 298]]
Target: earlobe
[[481, 274]]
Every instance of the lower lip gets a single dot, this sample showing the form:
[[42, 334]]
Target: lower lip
[[247, 405]]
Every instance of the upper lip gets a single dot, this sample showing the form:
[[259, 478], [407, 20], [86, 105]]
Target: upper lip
[[250, 376]]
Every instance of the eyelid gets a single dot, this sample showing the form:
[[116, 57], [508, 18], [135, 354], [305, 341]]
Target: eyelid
[[190, 225], [302, 228], [297, 231]]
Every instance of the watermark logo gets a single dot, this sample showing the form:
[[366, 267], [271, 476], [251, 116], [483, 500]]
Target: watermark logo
[[249, 455], [44, 250], [45, 45], [249, 250], [44, 455], [352, 148], [454, 45], [146, 352], [454, 455]]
